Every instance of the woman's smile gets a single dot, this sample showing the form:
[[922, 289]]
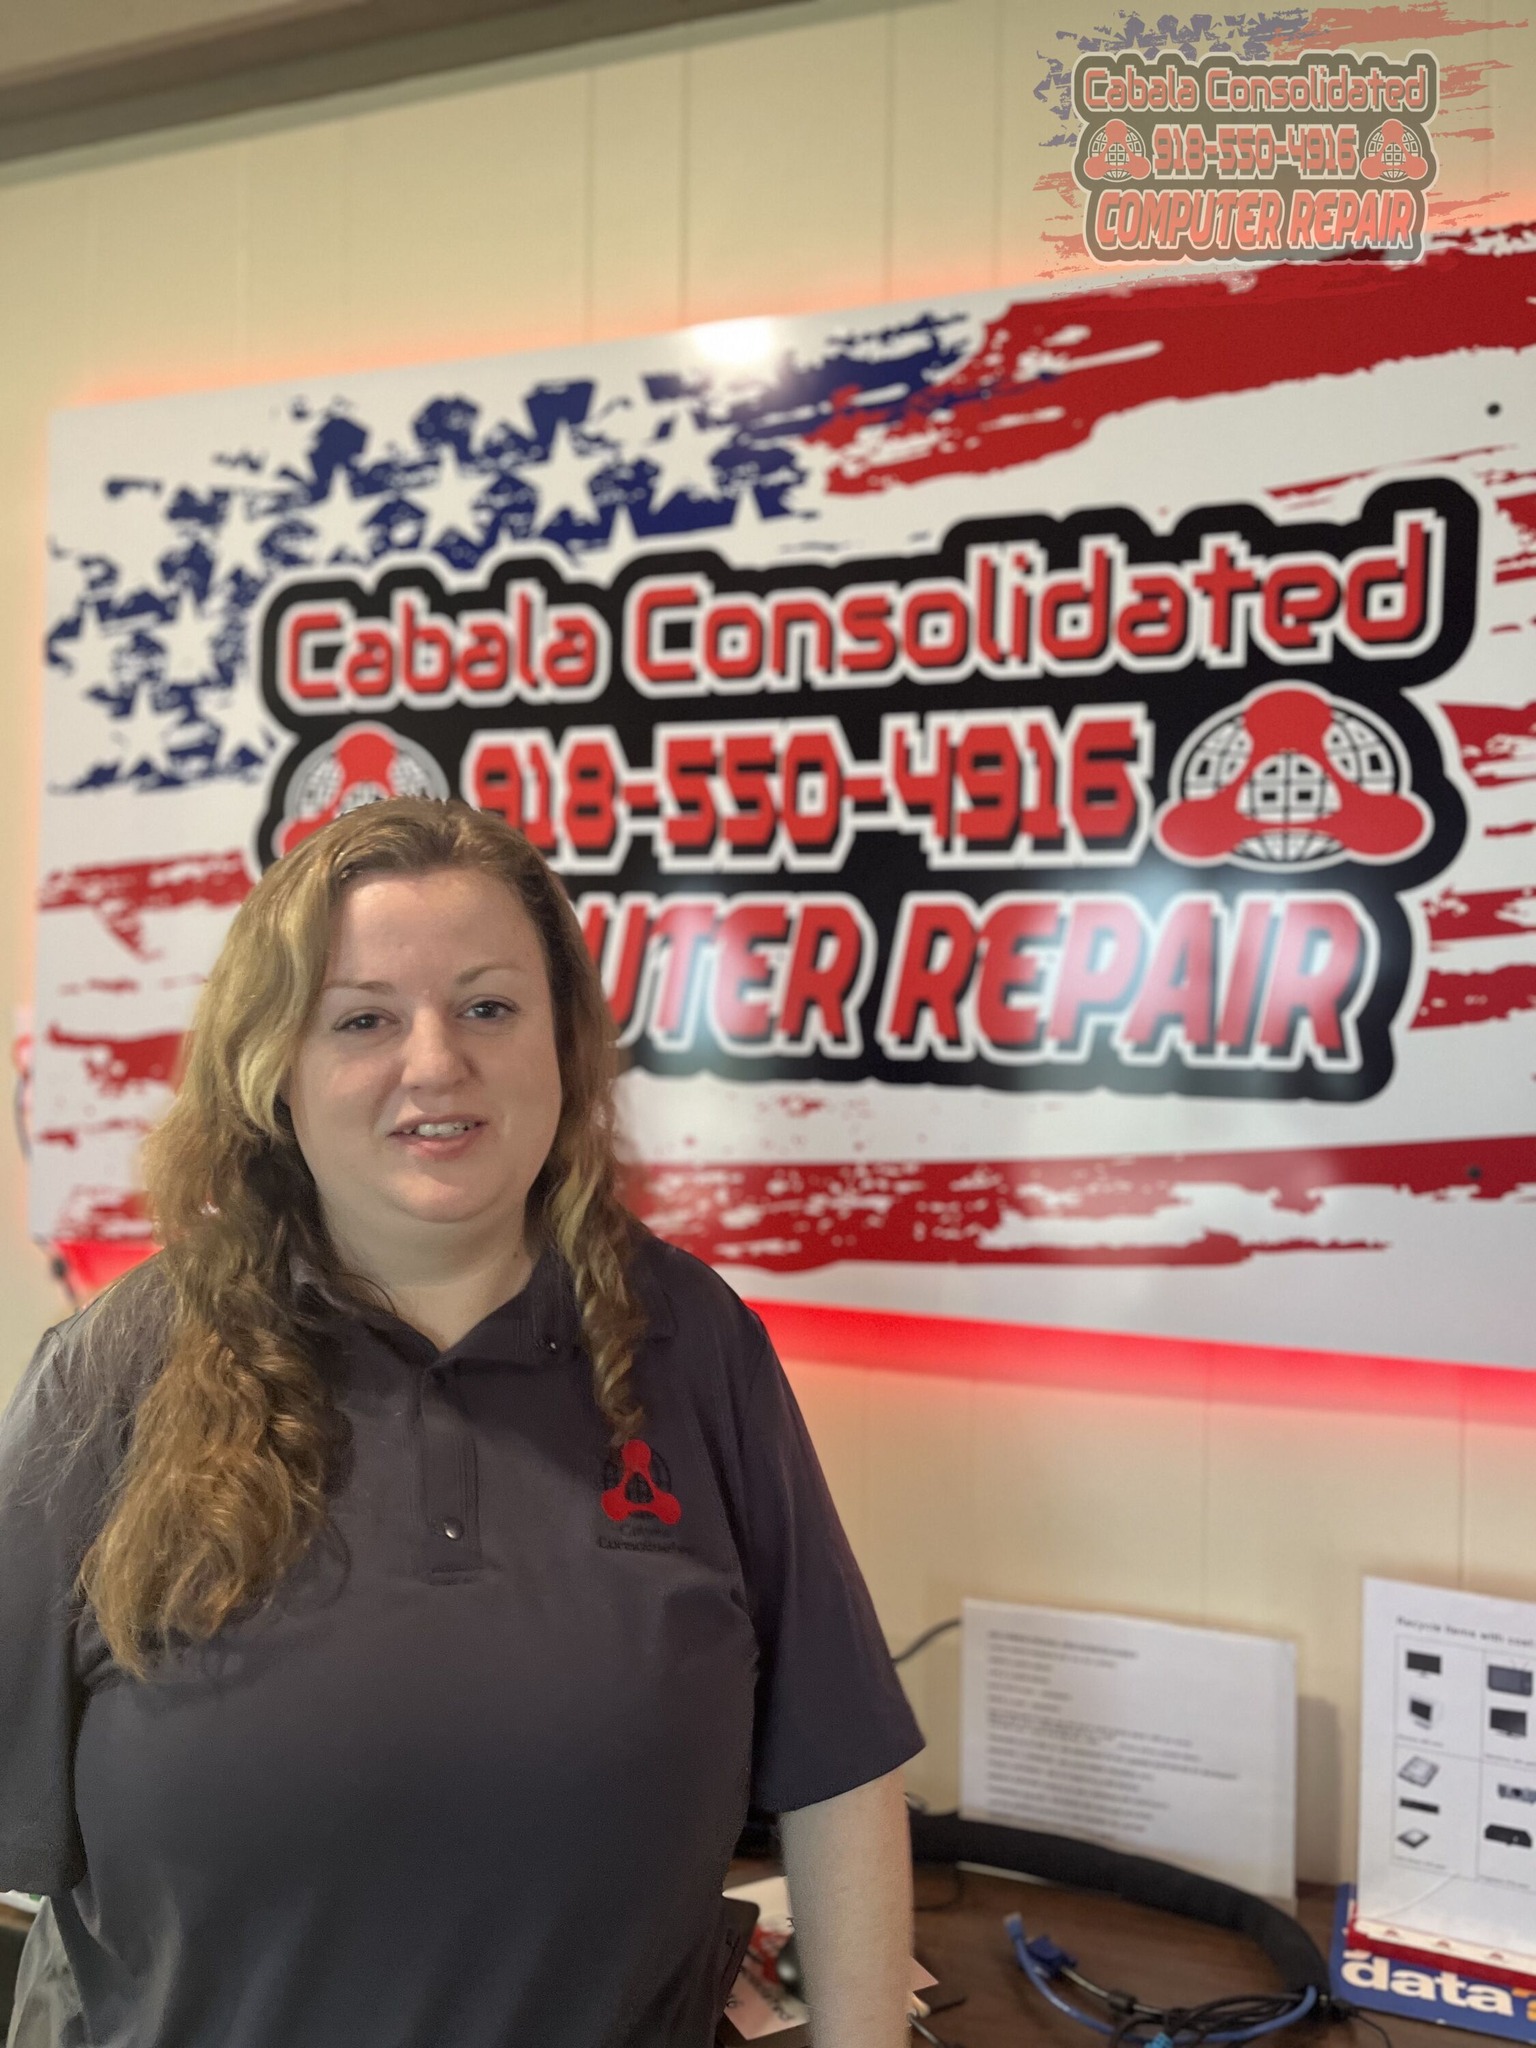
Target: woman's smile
[[439, 1138]]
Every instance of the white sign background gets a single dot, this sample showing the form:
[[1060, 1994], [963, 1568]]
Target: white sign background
[[1396, 1225]]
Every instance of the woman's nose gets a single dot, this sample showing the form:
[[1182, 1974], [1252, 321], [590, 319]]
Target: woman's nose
[[432, 1053]]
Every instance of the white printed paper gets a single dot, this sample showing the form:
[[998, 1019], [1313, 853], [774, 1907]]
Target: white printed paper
[[1178, 1743], [1448, 1768]]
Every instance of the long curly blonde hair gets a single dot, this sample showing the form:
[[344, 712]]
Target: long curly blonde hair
[[235, 1440]]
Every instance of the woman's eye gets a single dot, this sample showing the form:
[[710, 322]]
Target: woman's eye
[[487, 1007]]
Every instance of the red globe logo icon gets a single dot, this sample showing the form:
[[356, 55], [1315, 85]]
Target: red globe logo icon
[[1393, 152], [363, 764], [1116, 153], [1292, 778]]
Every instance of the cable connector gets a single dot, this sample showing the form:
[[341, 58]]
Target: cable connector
[[1334, 2012], [1052, 1960]]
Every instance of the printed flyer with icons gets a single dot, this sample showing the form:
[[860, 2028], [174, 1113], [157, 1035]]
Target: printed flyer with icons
[[1448, 1772]]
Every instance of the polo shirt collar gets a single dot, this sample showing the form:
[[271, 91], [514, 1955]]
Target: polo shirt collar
[[540, 1325]]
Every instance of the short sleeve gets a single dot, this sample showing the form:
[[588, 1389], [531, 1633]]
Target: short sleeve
[[830, 1710], [40, 1697]]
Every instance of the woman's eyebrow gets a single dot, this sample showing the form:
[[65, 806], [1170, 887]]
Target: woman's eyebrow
[[387, 988]]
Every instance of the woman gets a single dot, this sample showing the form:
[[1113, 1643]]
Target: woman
[[410, 1574]]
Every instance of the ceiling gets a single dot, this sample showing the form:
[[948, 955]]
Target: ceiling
[[80, 71]]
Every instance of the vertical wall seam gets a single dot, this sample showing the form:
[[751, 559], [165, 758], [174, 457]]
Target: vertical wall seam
[[888, 218], [1205, 1507], [1463, 1491], [999, 124], [684, 186], [589, 208], [243, 151]]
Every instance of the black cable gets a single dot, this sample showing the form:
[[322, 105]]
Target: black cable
[[1284, 1940], [927, 1636], [1088, 1866], [1360, 2019]]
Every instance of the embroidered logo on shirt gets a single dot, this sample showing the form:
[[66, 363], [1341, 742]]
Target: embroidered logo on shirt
[[637, 1493]]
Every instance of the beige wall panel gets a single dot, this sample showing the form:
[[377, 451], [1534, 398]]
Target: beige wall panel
[[169, 271], [1502, 104], [638, 178], [1089, 1500], [787, 170], [30, 1299], [931, 1681], [924, 1547], [835, 1405], [1499, 1511], [984, 1490], [466, 219], [1463, 134], [1302, 1506], [1039, 212], [945, 105], [47, 357], [919, 1519], [48, 235], [298, 311]]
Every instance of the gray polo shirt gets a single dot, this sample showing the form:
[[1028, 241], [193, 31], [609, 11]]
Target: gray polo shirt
[[473, 1779]]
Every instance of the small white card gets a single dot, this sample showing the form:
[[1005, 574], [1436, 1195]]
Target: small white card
[[1448, 1768], [1178, 1743], [759, 2008]]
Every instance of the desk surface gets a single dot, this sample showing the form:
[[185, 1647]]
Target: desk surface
[[960, 1938]]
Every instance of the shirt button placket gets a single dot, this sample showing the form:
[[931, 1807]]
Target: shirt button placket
[[447, 1473]]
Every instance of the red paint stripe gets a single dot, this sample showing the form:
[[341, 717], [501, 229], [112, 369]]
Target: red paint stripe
[[794, 1218], [121, 893], [93, 1263], [942, 1347], [1323, 483], [1454, 999], [1355, 476], [1486, 914], [1114, 1362], [1367, 28], [91, 1216], [1520, 508], [1460, 81], [115, 1064], [1498, 741], [1455, 212], [1181, 338]]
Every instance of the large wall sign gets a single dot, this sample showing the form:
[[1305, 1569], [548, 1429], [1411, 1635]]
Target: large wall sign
[[1049, 780], [1202, 163]]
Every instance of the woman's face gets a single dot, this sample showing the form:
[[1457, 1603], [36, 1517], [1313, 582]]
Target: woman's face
[[426, 1091]]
